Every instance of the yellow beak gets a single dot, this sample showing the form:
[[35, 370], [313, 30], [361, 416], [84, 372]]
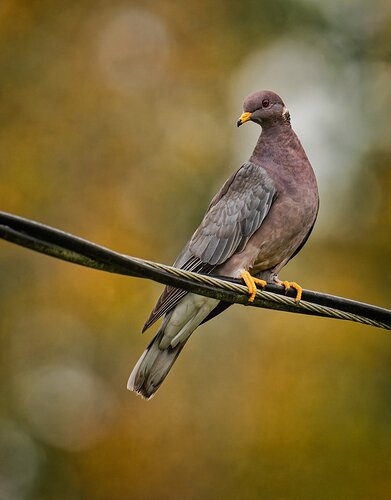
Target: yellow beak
[[244, 118]]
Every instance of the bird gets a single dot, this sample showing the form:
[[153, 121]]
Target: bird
[[259, 220]]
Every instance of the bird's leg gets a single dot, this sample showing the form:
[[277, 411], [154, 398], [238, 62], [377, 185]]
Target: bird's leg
[[291, 284], [252, 283]]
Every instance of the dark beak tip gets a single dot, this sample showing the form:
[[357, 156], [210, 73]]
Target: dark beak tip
[[238, 123]]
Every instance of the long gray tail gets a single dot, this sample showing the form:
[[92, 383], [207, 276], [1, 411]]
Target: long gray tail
[[153, 367]]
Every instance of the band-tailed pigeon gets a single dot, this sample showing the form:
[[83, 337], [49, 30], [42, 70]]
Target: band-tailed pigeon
[[258, 221]]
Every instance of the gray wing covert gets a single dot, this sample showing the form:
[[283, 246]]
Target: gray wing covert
[[233, 216]]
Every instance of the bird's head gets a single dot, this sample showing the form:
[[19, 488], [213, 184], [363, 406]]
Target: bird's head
[[265, 108]]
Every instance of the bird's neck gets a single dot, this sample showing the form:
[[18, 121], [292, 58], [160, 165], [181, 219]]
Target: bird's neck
[[279, 133]]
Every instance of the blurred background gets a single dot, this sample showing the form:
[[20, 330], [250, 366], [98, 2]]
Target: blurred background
[[117, 123]]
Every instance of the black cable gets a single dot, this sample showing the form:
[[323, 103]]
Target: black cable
[[62, 245]]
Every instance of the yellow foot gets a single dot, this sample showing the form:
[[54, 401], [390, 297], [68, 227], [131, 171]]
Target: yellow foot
[[291, 284], [252, 283]]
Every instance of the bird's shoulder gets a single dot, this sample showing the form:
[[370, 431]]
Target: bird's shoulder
[[250, 175]]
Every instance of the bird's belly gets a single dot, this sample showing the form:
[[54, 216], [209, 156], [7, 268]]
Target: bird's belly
[[278, 239], [274, 253]]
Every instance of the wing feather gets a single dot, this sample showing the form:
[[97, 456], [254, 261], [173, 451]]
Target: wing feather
[[233, 216]]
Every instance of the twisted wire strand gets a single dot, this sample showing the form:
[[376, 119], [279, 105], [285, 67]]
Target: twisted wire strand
[[269, 296]]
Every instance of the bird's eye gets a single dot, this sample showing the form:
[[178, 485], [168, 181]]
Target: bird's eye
[[265, 103]]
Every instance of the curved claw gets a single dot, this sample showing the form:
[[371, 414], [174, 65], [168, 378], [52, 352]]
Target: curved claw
[[252, 283], [292, 284]]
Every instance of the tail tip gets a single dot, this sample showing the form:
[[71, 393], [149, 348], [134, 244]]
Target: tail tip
[[140, 389], [139, 382]]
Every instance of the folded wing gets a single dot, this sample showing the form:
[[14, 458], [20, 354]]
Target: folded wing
[[233, 216]]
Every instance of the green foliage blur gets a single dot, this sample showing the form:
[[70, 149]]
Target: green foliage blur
[[117, 123]]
